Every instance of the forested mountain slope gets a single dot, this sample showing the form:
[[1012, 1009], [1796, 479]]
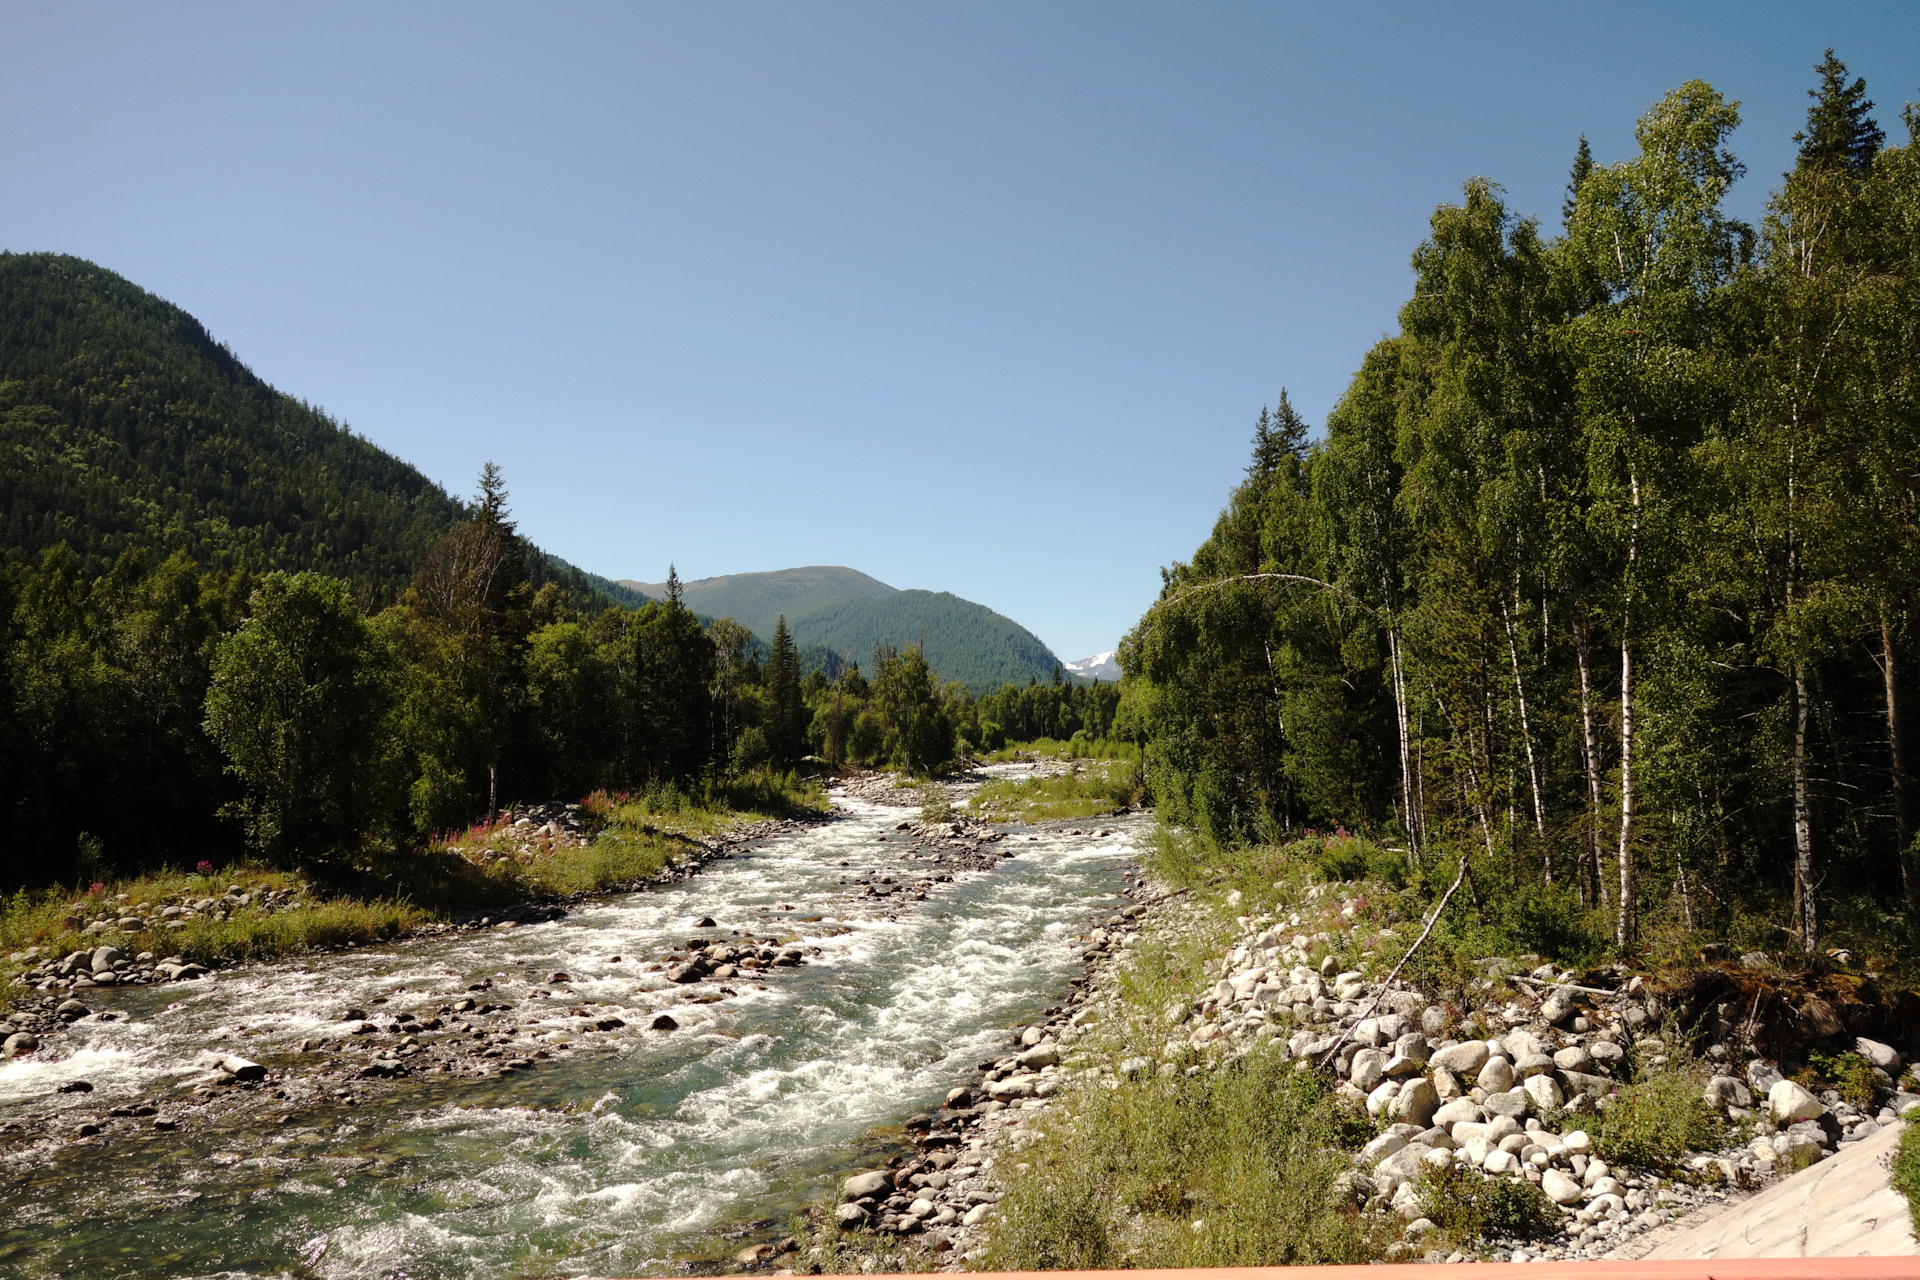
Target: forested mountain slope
[[962, 640], [757, 601], [838, 615], [123, 423]]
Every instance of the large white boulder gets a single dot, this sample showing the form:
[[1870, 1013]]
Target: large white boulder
[[1560, 1188], [1789, 1102], [1463, 1059]]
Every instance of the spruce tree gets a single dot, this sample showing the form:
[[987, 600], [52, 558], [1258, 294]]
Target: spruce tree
[[1840, 134], [784, 726], [1278, 433], [1582, 166]]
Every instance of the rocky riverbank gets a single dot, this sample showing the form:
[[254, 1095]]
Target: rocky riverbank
[[1514, 1083]]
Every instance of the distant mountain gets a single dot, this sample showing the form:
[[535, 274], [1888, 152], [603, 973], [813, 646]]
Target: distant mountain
[[757, 600], [123, 423], [963, 641], [1101, 666], [837, 614]]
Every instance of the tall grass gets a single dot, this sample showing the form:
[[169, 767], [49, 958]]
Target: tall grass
[[1078, 747], [1224, 1168], [1090, 791]]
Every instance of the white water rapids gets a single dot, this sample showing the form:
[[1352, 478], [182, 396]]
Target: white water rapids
[[628, 1153]]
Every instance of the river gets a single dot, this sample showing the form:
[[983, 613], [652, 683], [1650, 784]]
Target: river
[[631, 1153]]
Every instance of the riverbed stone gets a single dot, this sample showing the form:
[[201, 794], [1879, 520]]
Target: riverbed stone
[[1415, 1103], [1514, 1103], [1560, 1188], [1457, 1111], [1726, 1091], [1369, 1069], [1545, 1092], [1573, 1058], [871, 1183], [1041, 1055], [1789, 1102], [1463, 1059], [18, 1045], [1496, 1076], [664, 1022], [242, 1069], [851, 1215], [1880, 1055]]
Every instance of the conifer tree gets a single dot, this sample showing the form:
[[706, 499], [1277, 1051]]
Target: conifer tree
[[1840, 134], [1582, 166]]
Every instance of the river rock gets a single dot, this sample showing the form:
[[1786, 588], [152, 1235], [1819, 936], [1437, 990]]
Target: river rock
[[241, 1069], [1369, 1069], [1463, 1059], [850, 1216], [1415, 1103], [1560, 1188], [1880, 1055], [861, 1185], [103, 958], [1012, 1088], [685, 973], [18, 1045], [1789, 1102], [1556, 1007], [1041, 1055], [1514, 1103], [1496, 1076], [1573, 1058], [1533, 1064], [1458, 1111], [1545, 1092], [1725, 1091], [664, 1022], [69, 1010]]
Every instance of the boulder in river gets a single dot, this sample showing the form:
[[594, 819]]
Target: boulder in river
[[665, 1022], [18, 1045], [242, 1069], [69, 1010]]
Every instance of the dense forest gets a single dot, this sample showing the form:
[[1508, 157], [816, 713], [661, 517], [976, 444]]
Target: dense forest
[[124, 425], [227, 622], [164, 711], [1604, 570]]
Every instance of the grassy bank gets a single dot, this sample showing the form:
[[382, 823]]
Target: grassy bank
[[1179, 1152], [1089, 790], [259, 912]]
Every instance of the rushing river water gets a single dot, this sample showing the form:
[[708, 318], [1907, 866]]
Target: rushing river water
[[640, 1152]]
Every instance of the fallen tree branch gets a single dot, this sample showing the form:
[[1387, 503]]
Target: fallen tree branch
[[1381, 994], [1561, 986]]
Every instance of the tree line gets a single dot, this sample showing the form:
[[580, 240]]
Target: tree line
[[1604, 568], [166, 712]]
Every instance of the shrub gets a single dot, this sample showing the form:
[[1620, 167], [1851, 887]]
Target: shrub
[[1246, 1150], [1849, 1073], [1469, 1206], [1656, 1120], [1906, 1172]]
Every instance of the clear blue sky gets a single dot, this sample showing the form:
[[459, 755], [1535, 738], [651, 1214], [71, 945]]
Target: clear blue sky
[[980, 298]]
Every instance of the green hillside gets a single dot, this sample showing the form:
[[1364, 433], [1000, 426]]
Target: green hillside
[[124, 423], [962, 640], [757, 600]]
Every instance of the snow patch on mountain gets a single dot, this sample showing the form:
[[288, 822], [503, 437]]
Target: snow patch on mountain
[[1100, 666]]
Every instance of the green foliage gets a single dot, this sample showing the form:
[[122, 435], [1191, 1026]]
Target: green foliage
[[1905, 1176], [965, 641], [1469, 1207], [1597, 571], [297, 701], [124, 426], [1657, 1119], [1850, 1074], [1230, 1167]]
